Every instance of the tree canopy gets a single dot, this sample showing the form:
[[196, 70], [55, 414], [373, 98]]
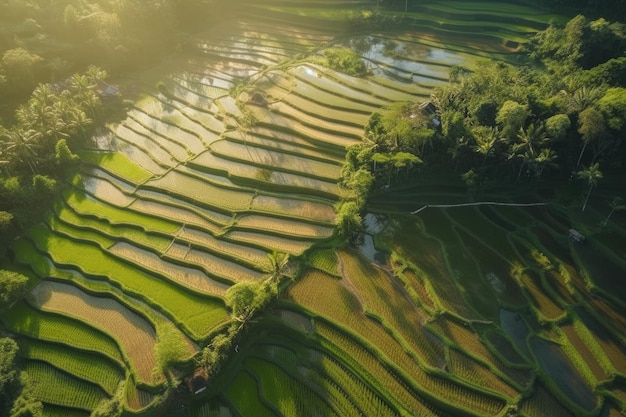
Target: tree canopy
[[13, 286]]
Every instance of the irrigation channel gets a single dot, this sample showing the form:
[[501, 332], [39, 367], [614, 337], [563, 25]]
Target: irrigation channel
[[481, 309]]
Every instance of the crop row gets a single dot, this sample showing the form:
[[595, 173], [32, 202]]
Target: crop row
[[168, 119], [142, 149], [117, 164], [380, 296], [284, 226], [136, 398], [369, 401], [26, 320], [325, 260], [351, 351], [473, 372], [87, 206], [466, 340], [399, 237], [543, 403], [269, 243], [106, 189], [245, 396], [217, 266], [332, 307], [51, 410], [89, 366], [57, 387], [67, 215], [191, 277], [387, 94], [283, 142], [290, 397], [312, 377], [136, 337], [201, 192], [196, 313], [268, 176], [283, 162], [282, 122]]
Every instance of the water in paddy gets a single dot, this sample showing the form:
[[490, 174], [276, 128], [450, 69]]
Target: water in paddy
[[556, 364], [515, 328], [410, 61]]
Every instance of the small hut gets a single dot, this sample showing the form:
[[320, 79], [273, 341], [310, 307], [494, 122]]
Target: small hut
[[428, 107], [197, 382], [575, 236], [258, 100], [105, 90]]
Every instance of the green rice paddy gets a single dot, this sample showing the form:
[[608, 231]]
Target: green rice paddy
[[481, 312]]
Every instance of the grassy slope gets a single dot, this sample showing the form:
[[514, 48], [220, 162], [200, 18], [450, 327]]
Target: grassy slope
[[348, 338]]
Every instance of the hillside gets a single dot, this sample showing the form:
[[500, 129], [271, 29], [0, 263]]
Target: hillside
[[231, 156]]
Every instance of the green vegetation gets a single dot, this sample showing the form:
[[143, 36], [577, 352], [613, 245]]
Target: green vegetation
[[345, 60], [13, 286], [35, 149], [314, 209]]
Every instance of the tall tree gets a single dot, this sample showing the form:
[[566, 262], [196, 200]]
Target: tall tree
[[511, 118], [545, 159], [591, 175], [591, 127], [616, 204], [486, 139], [13, 286], [275, 266], [528, 145], [360, 183], [245, 298], [349, 221]]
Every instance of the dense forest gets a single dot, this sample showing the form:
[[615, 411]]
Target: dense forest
[[46, 41], [561, 114]]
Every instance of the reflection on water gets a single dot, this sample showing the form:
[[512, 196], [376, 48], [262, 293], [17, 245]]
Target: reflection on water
[[554, 363], [516, 329]]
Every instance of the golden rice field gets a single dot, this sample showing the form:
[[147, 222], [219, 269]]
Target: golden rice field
[[134, 334]]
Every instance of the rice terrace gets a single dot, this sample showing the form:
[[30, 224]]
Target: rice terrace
[[264, 208]]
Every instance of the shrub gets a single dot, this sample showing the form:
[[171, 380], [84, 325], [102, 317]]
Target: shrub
[[345, 60]]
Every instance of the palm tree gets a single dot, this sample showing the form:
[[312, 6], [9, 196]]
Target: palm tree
[[5, 154], [545, 158], [83, 88], [404, 160], [591, 175], [616, 204], [527, 147], [22, 144], [583, 98], [382, 159], [96, 74], [276, 265], [592, 127], [486, 140], [39, 113]]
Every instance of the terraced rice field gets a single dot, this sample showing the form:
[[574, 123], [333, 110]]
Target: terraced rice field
[[133, 333], [239, 156]]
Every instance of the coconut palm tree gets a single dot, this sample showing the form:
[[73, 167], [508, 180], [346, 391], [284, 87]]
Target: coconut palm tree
[[545, 158], [616, 204], [486, 140], [528, 142], [591, 175], [275, 266], [22, 145]]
